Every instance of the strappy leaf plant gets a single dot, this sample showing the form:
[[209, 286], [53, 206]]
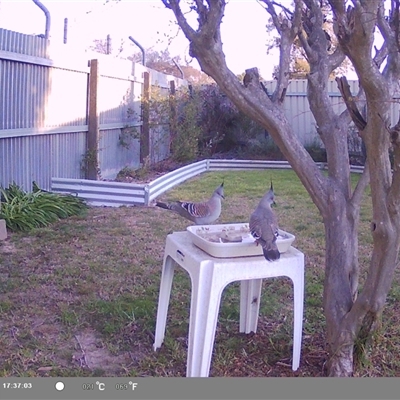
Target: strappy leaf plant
[[24, 211]]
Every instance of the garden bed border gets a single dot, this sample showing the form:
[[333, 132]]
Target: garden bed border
[[116, 194]]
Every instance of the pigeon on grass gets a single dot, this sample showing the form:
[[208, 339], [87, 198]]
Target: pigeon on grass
[[201, 213]]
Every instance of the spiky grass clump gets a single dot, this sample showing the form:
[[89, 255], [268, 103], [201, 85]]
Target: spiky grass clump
[[25, 211]]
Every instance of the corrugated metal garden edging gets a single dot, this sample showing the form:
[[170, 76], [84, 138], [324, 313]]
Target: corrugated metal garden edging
[[173, 178], [101, 193], [220, 165], [115, 194]]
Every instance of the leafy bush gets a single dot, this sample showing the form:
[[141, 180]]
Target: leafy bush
[[185, 140], [223, 126], [260, 147], [316, 151], [25, 211]]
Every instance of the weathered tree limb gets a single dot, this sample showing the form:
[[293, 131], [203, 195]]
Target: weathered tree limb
[[251, 77], [288, 30], [351, 104], [355, 34], [359, 190], [394, 192], [184, 25]]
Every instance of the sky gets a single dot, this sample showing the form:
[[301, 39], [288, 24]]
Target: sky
[[243, 28]]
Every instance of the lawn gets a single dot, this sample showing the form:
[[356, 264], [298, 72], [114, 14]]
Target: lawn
[[79, 298]]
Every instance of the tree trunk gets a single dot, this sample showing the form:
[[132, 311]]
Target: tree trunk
[[341, 280]]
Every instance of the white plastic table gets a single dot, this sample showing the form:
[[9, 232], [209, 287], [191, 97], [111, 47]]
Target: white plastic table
[[209, 276]]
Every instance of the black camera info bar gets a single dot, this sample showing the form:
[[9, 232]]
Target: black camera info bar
[[154, 388]]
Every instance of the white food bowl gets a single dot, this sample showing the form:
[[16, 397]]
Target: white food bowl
[[232, 240]]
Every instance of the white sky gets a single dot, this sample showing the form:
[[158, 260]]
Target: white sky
[[149, 22]]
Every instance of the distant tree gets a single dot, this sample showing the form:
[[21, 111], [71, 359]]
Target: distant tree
[[162, 61], [299, 65], [105, 46]]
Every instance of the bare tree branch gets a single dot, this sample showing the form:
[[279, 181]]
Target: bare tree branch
[[380, 55], [351, 105], [288, 30], [314, 38], [201, 11], [360, 187], [186, 28], [211, 20], [310, 53], [390, 31], [336, 58], [394, 192], [271, 10]]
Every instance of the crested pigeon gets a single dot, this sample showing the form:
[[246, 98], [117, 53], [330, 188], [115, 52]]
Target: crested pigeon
[[264, 226], [202, 213]]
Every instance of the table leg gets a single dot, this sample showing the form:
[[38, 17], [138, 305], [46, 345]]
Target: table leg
[[163, 300], [204, 308], [250, 296], [298, 298]]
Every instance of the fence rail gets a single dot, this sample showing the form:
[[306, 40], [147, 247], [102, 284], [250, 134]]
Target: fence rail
[[115, 194]]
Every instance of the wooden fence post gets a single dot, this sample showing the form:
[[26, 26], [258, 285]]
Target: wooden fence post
[[173, 114], [145, 136], [92, 143]]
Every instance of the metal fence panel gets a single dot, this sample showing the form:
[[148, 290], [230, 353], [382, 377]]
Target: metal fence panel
[[23, 89], [115, 101], [298, 111], [65, 98], [44, 105], [39, 158], [23, 44], [117, 152]]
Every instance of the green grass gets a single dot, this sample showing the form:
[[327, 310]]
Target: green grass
[[79, 297]]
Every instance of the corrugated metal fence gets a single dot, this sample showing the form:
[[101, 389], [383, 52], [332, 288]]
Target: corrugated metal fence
[[298, 111], [44, 112], [115, 194]]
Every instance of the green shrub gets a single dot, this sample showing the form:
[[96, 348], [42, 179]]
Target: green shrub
[[184, 144], [316, 151], [24, 211]]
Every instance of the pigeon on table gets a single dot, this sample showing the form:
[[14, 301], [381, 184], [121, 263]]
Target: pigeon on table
[[264, 226], [202, 213]]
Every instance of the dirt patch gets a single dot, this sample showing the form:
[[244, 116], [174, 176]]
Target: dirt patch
[[150, 173], [6, 247], [93, 354]]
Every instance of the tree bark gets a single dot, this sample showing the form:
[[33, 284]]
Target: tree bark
[[341, 282]]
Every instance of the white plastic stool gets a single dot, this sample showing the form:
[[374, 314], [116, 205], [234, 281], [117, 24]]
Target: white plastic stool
[[209, 277]]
